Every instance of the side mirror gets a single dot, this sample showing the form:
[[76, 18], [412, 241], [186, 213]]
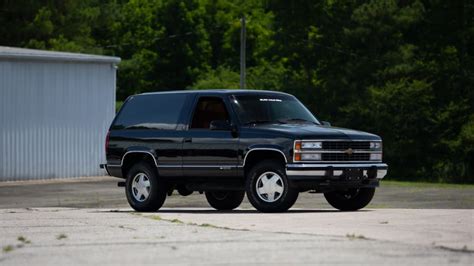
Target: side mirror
[[220, 125], [326, 123]]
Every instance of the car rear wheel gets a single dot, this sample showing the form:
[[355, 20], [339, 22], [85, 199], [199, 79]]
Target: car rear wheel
[[225, 200], [268, 188], [350, 200], [145, 190]]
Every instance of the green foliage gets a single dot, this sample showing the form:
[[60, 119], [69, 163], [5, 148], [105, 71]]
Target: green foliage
[[164, 45], [220, 78], [401, 69]]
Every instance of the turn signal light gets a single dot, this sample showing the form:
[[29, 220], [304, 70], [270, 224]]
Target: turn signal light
[[297, 156], [297, 145]]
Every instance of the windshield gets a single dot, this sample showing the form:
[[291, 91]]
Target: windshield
[[271, 108]]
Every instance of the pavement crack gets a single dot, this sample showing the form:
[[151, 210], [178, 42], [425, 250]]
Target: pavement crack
[[461, 250]]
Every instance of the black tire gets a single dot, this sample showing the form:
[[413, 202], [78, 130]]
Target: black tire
[[225, 200], [157, 188], [283, 201], [351, 199]]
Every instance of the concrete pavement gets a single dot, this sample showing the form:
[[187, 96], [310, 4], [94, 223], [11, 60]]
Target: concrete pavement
[[88, 221], [64, 236], [102, 192], [450, 229]]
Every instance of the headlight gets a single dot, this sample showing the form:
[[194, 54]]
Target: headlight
[[312, 145], [311, 156], [376, 157], [376, 145], [300, 145]]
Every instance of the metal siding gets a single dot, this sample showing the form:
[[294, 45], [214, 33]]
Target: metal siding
[[54, 117]]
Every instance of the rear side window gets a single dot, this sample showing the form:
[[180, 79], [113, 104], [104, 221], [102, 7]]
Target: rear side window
[[160, 111]]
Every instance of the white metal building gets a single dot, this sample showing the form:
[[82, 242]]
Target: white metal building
[[55, 110]]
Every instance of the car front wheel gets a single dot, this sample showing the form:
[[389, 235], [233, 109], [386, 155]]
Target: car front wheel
[[268, 188]]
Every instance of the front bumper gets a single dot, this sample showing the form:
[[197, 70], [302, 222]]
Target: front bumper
[[304, 171]]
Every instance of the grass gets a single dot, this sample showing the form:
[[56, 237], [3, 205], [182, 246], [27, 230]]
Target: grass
[[416, 184], [354, 236], [207, 225], [118, 105], [8, 248], [23, 240], [177, 221], [61, 236], [155, 217]]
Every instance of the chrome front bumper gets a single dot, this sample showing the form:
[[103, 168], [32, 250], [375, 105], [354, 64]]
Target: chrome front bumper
[[318, 171]]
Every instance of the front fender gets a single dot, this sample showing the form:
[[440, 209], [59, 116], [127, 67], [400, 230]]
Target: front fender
[[269, 147]]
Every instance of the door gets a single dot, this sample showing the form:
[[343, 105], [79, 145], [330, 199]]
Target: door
[[206, 152]]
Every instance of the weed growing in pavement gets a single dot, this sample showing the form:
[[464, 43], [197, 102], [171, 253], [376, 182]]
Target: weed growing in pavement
[[177, 221], [23, 240], [214, 226], [8, 248], [61, 236], [354, 236], [155, 217], [207, 225]]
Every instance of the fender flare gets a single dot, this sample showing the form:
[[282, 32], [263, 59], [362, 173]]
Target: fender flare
[[263, 148], [151, 153]]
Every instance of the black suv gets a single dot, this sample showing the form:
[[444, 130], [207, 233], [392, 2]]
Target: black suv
[[226, 143]]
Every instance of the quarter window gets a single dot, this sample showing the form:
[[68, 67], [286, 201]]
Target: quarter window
[[158, 111]]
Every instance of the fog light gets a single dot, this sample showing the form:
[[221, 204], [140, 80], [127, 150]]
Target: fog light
[[310, 156], [376, 157]]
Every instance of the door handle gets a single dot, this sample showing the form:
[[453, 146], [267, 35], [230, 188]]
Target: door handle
[[188, 139]]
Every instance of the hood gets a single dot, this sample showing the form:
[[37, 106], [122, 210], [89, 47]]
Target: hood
[[310, 131]]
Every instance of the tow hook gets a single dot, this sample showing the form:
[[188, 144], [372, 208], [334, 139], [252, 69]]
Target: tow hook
[[121, 184]]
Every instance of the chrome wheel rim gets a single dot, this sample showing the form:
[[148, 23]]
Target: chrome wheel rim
[[141, 187], [269, 187]]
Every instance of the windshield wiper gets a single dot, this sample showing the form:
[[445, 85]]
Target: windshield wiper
[[254, 122], [299, 120]]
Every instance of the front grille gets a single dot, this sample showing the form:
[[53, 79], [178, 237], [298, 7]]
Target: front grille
[[345, 157], [344, 145]]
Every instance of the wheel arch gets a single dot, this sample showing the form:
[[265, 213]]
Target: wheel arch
[[132, 157], [258, 154]]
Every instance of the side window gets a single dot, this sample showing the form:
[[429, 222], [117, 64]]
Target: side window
[[209, 109], [159, 111]]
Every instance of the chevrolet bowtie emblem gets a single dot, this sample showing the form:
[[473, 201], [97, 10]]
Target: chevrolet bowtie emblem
[[348, 151]]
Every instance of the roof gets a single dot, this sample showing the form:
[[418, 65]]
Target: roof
[[41, 55], [217, 91]]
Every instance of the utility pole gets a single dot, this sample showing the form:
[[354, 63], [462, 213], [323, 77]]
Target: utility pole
[[242, 52]]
